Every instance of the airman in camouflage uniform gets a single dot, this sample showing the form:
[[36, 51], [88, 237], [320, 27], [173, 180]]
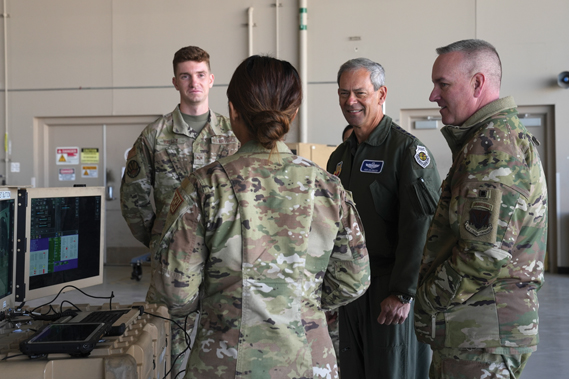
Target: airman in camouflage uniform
[[263, 242], [483, 261], [164, 154]]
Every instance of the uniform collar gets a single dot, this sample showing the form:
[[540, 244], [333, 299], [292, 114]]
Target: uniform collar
[[256, 147], [181, 127], [457, 135], [377, 136]]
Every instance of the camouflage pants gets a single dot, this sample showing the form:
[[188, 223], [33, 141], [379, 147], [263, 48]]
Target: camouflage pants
[[334, 331], [476, 364], [178, 342]]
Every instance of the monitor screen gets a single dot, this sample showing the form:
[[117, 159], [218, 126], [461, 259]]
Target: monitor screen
[[8, 224], [64, 239]]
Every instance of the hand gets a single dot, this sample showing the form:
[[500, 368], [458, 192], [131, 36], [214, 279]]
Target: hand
[[331, 317], [393, 311]]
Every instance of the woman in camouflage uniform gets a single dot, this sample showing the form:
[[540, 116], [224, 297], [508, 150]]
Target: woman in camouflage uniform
[[262, 242]]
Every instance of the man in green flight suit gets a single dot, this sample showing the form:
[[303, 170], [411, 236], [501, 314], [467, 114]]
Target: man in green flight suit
[[395, 184], [167, 151], [483, 261]]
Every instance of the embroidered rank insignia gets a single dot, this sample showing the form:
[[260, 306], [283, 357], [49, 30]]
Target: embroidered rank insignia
[[371, 167], [422, 156], [176, 201], [338, 169], [479, 222], [132, 169]]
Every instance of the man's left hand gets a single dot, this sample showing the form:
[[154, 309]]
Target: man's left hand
[[393, 311]]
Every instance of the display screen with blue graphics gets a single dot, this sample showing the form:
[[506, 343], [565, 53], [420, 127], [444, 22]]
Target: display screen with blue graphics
[[65, 232]]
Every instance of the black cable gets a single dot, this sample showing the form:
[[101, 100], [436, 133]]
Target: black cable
[[70, 303], [11, 356], [71, 286], [187, 339], [178, 374]]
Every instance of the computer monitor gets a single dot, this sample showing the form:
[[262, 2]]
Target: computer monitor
[[65, 239], [8, 225]]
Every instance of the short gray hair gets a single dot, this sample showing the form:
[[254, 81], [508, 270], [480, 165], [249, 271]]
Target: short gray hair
[[376, 71], [481, 56]]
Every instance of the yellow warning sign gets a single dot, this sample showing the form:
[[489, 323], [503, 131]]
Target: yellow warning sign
[[89, 171], [89, 155]]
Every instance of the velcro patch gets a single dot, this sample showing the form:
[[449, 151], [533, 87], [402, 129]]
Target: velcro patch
[[338, 170], [479, 222], [371, 166], [422, 156], [132, 169], [176, 201]]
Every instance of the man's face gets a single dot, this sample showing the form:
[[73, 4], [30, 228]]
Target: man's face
[[360, 103], [454, 89], [193, 80]]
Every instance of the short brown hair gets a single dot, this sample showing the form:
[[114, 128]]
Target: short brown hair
[[266, 92], [190, 53]]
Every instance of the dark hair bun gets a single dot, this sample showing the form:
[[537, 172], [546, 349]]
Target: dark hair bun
[[269, 127]]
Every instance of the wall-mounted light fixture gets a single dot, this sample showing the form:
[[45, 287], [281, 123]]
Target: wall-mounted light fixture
[[563, 79]]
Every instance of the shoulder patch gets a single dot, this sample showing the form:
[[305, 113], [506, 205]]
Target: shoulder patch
[[338, 170], [132, 169], [176, 201], [422, 156], [479, 222]]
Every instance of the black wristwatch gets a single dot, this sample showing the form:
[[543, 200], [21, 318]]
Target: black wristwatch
[[404, 299]]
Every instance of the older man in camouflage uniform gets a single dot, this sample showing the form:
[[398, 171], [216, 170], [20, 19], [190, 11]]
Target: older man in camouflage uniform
[[264, 240], [483, 260], [167, 151]]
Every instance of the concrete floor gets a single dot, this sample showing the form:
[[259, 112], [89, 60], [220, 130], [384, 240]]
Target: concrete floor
[[551, 360]]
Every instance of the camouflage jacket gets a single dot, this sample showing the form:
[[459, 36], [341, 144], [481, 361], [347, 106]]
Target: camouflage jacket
[[262, 245], [483, 260], [163, 155]]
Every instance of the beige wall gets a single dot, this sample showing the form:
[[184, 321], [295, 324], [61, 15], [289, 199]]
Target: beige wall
[[113, 57]]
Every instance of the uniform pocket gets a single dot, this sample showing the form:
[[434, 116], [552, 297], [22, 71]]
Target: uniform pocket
[[423, 200], [165, 165], [180, 161], [222, 146], [385, 201]]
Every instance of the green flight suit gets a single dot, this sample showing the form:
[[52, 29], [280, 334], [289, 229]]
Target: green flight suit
[[395, 184]]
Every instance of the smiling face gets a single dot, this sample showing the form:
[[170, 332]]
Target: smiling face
[[454, 89], [360, 103], [193, 80]]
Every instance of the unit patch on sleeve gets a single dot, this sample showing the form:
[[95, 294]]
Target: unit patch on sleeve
[[371, 167], [479, 222], [132, 169], [422, 156], [338, 169], [176, 201]]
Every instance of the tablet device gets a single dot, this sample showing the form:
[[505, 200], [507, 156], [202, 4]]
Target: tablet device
[[77, 339]]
